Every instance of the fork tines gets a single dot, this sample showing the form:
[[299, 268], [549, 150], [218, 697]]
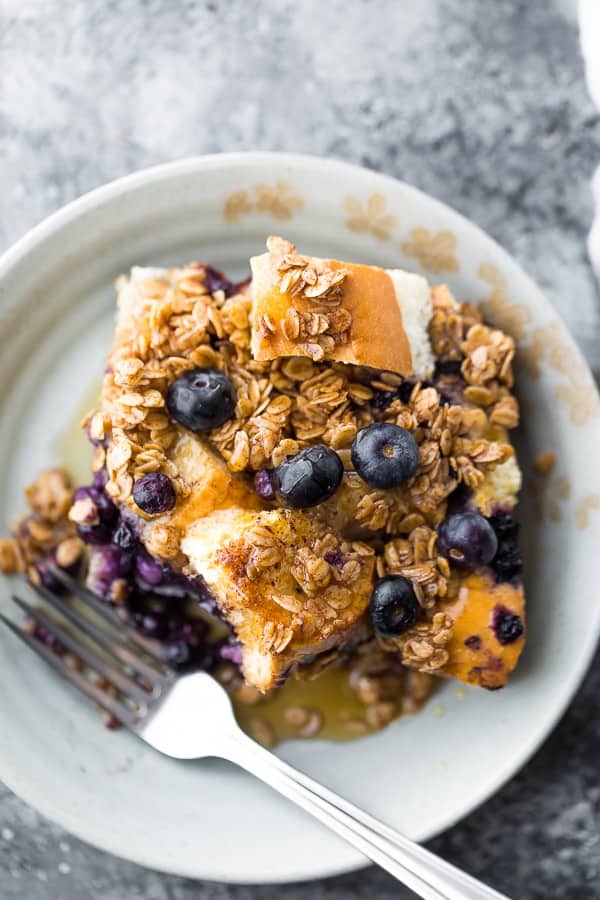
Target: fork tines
[[125, 662], [124, 714]]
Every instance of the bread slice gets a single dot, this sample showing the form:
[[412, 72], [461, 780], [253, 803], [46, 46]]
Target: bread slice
[[256, 563], [272, 588], [351, 313]]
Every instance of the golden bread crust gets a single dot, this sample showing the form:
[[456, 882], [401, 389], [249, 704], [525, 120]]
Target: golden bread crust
[[361, 323]]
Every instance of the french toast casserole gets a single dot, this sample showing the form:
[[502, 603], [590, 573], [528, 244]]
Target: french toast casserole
[[318, 458]]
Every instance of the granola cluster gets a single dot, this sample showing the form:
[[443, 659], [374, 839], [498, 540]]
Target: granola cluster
[[304, 276], [485, 356], [423, 647], [316, 330], [44, 531]]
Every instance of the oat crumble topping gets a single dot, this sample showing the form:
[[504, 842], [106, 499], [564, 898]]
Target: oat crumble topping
[[286, 404]]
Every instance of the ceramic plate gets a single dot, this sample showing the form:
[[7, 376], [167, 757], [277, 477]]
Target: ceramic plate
[[206, 819]]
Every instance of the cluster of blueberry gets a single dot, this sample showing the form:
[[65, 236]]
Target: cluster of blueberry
[[154, 596], [384, 456]]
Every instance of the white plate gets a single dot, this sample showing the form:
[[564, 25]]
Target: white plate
[[205, 819]]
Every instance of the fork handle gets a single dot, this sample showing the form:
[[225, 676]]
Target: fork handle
[[424, 873]]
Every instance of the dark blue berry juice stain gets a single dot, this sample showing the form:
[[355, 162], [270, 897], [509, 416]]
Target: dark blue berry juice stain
[[506, 625]]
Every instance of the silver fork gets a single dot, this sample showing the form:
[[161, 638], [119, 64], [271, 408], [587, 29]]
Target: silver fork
[[160, 708]]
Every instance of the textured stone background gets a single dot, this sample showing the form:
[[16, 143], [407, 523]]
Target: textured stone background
[[480, 102]]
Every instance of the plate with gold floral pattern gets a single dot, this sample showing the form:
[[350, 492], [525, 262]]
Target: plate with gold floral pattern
[[378, 725]]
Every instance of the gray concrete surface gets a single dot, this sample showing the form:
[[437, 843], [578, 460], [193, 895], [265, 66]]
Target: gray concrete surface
[[480, 102]]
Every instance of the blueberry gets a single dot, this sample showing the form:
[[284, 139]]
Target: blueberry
[[47, 579], [263, 484], [404, 391], [124, 537], [95, 534], [231, 650], [505, 526], [154, 493], [393, 606], [177, 655], [460, 498], [508, 626], [106, 565], [183, 658], [334, 558], [447, 367], [384, 455], [100, 479], [201, 399], [308, 478], [216, 281], [151, 625], [508, 561], [383, 399], [106, 509], [148, 569], [468, 540], [193, 631]]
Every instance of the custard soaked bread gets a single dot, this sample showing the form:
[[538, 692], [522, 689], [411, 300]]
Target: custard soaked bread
[[321, 455]]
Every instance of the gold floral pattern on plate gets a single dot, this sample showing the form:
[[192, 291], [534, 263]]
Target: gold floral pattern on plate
[[584, 507], [548, 345], [577, 392], [510, 317], [278, 200], [370, 218], [581, 401], [549, 493], [436, 252], [542, 346]]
